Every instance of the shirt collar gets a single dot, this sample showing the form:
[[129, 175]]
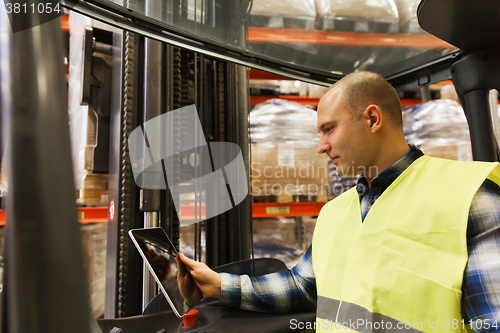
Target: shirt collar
[[386, 177]]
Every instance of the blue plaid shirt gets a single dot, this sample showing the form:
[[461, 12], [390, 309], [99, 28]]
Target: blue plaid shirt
[[295, 290]]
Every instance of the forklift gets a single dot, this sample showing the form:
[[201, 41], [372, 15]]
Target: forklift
[[168, 55]]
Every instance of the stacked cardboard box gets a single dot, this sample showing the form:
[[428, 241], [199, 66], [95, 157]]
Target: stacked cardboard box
[[285, 163], [92, 190], [286, 170]]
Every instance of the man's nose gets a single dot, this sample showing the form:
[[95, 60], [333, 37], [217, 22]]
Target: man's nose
[[323, 146]]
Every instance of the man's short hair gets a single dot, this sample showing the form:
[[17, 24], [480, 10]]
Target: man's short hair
[[361, 89]]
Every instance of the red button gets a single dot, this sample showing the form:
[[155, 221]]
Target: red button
[[189, 318]]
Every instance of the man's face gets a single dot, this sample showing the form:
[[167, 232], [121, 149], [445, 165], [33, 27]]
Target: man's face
[[343, 139]]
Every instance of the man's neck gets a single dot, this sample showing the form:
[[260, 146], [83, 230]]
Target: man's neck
[[390, 156]]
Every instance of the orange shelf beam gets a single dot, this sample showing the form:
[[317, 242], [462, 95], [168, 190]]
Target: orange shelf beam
[[304, 100], [410, 101], [344, 38], [100, 214], [256, 74], [266, 210], [65, 22], [254, 100], [289, 210], [85, 215], [92, 214]]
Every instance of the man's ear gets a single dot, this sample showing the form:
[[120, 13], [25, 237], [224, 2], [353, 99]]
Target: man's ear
[[373, 117]]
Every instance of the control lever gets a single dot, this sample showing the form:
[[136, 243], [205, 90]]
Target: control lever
[[189, 318]]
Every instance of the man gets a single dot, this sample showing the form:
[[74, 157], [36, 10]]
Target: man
[[415, 246]]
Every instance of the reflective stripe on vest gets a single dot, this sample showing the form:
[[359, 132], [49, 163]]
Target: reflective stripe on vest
[[405, 262], [356, 318]]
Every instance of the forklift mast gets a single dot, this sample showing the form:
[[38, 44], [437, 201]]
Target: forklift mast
[[151, 78]]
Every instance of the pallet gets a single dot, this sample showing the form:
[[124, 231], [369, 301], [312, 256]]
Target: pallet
[[282, 22], [359, 24]]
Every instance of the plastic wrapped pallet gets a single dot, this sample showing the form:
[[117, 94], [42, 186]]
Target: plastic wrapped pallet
[[78, 114], [299, 14], [439, 128], [408, 21], [359, 15], [83, 120], [285, 162], [338, 184], [94, 254], [4, 185], [284, 7], [276, 238]]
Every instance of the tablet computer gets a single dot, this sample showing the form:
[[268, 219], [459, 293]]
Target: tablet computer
[[159, 254]]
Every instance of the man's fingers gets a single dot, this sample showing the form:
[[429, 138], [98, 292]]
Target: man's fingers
[[181, 267], [189, 264]]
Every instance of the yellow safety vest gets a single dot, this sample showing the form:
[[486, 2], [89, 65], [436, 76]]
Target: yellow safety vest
[[402, 268]]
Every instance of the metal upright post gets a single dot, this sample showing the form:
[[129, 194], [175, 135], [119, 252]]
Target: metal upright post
[[154, 105]]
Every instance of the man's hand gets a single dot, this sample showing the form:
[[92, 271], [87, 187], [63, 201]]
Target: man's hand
[[200, 282]]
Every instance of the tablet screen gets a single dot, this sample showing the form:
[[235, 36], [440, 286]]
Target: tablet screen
[[159, 253]]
